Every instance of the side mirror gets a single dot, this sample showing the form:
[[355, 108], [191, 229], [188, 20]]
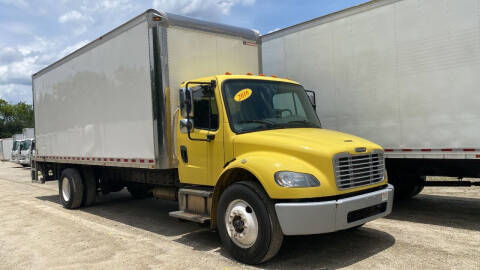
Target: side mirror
[[186, 102], [311, 96], [186, 125]]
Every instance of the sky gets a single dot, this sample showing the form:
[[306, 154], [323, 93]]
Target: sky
[[36, 33]]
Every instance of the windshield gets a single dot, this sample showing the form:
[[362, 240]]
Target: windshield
[[254, 105], [16, 145], [25, 145]]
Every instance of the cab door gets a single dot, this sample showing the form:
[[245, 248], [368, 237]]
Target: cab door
[[194, 152]]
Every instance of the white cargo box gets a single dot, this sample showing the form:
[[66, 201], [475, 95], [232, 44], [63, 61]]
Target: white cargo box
[[6, 149], [402, 73], [113, 102]]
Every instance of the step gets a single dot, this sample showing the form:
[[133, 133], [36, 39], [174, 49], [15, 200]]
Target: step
[[189, 216], [196, 192]]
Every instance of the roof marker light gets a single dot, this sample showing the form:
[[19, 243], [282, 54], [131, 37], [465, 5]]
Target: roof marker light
[[261, 74], [249, 73], [228, 73], [274, 76]]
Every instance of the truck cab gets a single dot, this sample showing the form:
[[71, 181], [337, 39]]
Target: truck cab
[[26, 151], [259, 143], [16, 150]]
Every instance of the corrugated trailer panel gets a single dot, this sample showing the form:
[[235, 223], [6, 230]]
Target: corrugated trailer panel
[[71, 100], [400, 73]]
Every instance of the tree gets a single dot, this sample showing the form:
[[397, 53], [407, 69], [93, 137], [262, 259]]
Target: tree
[[13, 118]]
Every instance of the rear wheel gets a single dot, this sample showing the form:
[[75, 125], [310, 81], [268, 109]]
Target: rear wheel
[[247, 223], [70, 187]]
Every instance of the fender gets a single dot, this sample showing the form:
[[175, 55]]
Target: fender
[[263, 165]]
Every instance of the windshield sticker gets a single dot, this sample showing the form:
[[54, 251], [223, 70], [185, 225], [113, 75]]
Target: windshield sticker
[[242, 95]]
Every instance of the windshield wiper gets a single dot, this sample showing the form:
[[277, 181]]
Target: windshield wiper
[[301, 122], [265, 122]]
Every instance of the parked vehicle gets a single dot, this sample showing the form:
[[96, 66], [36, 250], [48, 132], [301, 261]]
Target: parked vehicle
[[26, 149], [400, 73], [6, 146], [245, 153], [17, 140]]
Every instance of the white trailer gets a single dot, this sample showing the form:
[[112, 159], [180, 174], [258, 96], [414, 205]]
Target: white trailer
[[402, 73], [6, 145]]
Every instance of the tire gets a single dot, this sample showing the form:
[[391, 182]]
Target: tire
[[407, 186], [419, 185], [139, 191], [71, 196], [234, 205], [90, 187]]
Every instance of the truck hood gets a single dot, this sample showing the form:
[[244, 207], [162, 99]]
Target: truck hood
[[293, 141]]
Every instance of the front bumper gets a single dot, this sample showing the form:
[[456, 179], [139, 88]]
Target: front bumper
[[25, 161], [329, 216]]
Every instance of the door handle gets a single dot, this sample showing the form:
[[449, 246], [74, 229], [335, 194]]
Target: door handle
[[183, 153]]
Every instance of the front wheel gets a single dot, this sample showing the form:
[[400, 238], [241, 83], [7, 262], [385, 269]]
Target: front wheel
[[247, 223]]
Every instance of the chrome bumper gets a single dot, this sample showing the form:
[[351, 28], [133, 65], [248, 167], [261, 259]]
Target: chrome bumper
[[336, 215]]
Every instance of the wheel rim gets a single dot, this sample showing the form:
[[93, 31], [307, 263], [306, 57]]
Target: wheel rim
[[66, 189], [241, 223]]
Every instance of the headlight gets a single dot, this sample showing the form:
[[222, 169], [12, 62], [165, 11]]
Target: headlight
[[293, 179]]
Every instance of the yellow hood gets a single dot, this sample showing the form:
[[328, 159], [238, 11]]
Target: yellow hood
[[302, 140]]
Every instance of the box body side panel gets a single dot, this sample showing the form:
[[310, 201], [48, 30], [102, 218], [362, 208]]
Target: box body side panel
[[99, 103], [404, 75]]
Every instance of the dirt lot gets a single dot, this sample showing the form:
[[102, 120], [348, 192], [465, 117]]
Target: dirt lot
[[440, 229]]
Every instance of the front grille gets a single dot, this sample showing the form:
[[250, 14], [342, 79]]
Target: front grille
[[358, 170]]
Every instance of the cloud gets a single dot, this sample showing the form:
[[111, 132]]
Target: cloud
[[15, 93], [200, 8], [9, 54], [75, 16]]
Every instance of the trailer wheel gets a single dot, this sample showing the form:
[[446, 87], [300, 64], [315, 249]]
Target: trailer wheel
[[247, 223], [419, 185], [407, 186], [139, 191], [90, 187], [70, 187]]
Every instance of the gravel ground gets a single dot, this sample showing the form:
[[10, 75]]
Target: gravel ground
[[439, 229]]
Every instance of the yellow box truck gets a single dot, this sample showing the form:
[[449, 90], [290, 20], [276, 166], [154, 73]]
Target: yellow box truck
[[144, 107]]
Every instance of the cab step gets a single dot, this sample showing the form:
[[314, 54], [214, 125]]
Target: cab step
[[189, 216], [194, 204]]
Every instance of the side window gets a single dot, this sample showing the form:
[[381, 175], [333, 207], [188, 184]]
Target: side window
[[205, 109]]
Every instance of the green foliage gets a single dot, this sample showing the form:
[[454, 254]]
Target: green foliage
[[13, 118]]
